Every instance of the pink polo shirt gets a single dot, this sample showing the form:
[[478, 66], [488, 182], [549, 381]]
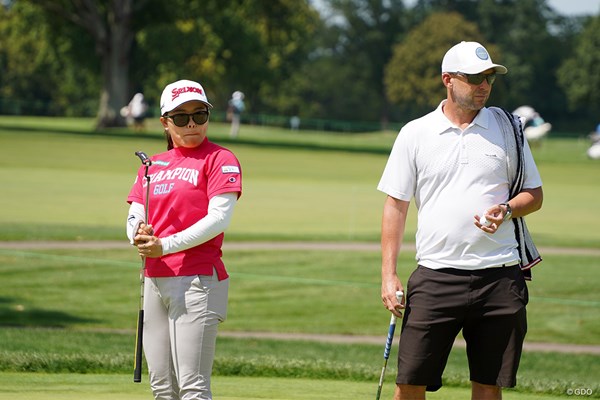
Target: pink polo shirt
[[182, 181]]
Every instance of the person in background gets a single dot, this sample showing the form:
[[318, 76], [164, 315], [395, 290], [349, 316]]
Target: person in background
[[236, 107], [595, 135], [194, 188], [534, 126], [295, 123], [594, 151], [453, 162], [135, 112]]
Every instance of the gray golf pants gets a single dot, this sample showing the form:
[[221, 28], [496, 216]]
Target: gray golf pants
[[181, 315]]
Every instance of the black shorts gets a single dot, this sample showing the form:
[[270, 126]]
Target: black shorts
[[488, 305]]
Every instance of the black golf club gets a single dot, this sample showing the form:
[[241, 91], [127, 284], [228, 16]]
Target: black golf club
[[137, 369]]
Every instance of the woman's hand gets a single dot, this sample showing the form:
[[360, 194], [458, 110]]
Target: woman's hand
[[148, 245]]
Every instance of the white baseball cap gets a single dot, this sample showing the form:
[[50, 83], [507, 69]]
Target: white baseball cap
[[177, 93], [470, 58]]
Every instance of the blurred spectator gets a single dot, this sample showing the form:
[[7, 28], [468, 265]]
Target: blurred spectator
[[295, 123], [236, 107], [595, 136], [135, 112], [534, 126], [594, 150]]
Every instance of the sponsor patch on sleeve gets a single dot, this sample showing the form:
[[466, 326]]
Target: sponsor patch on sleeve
[[230, 169]]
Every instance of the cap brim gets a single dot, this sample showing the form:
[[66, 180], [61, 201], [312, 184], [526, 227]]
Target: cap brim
[[500, 69], [174, 106]]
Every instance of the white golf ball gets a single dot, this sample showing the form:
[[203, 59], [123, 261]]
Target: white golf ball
[[483, 220]]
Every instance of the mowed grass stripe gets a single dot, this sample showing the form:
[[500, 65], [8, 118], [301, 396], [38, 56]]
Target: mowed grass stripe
[[320, 292], [245, 275]]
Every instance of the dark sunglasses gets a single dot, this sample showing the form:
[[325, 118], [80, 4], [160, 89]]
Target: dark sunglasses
[[477, 79], [181, 120]]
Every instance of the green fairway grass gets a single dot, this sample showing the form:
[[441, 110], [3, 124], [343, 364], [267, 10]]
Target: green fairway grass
[[93, 353], [111, 387], [67, 317], [87, 302], [63, 181], [36, 350], [323, 292]]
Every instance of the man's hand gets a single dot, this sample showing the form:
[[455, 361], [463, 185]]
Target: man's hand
[[389, 287], [494, 216]]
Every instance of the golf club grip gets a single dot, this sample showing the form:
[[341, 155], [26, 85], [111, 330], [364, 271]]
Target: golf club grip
[[392, 329], [137, 370], [390, 338]]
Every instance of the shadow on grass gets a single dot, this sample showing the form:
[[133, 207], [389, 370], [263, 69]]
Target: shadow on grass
[[13, 314]]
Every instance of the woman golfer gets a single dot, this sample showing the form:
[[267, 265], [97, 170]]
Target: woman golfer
[[194, 187]]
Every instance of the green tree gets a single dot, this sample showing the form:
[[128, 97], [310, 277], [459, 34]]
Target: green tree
[[413, 75], [287, 29], [579, 75], [251, 45], [71, 51], [24, 55], [530, 51], [532, 38], [37, 76], [343, 78], [110, 25], [326, 89]]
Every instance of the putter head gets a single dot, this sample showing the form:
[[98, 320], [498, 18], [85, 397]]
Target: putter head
[[144, 158]]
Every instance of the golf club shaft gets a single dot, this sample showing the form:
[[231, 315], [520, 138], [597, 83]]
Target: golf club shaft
[[388, 346], [137, 368]]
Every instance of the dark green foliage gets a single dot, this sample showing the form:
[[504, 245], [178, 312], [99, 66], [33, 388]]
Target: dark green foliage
[[289, 59]]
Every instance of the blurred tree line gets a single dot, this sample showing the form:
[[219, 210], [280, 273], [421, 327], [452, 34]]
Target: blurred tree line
[[355, 60]]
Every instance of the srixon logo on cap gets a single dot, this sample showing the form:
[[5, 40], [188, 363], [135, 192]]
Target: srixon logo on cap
[[482, 53], [177, 91]]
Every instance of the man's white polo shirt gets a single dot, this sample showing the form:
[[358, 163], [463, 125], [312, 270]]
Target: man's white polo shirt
[[454, 175]]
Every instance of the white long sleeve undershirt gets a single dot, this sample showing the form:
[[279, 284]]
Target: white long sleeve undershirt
[[216, 221], [134, 219]]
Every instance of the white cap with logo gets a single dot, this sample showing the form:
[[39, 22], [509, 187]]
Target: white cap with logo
[[177, 93], [470, 58]]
